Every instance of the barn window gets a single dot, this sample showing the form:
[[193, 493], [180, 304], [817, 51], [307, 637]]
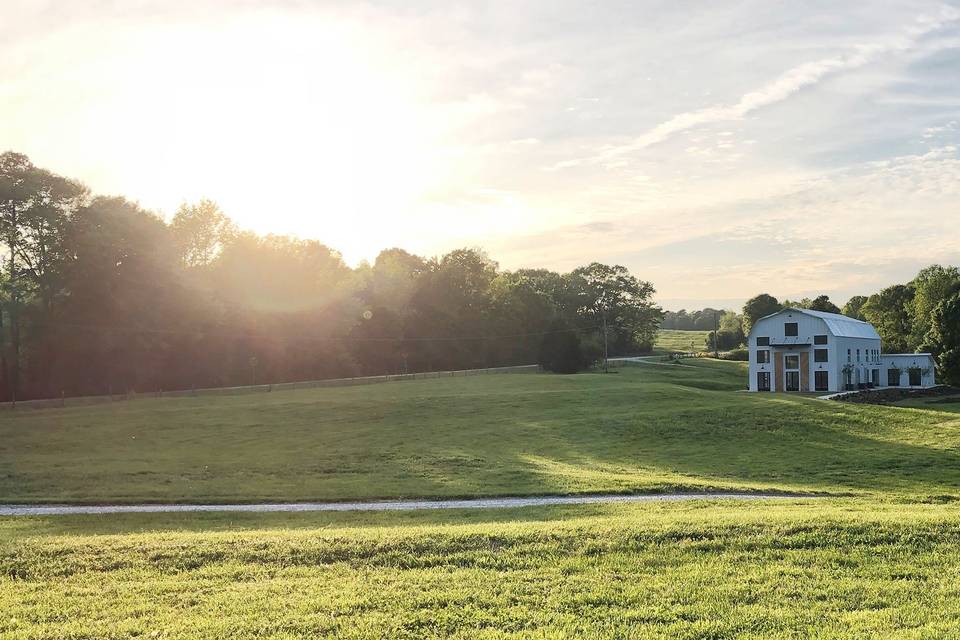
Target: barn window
[[820, 355], [763, 381], [821, 380], [915, 377], [763, 356], [763, 342], [790, 329], [791, 362], [819, 339]]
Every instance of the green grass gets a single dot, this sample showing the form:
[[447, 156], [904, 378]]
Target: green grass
[[835, 570], [675, 340], [646, 428], [881, 558], [950, 404]]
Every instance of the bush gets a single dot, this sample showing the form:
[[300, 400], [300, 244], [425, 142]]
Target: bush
[[950, 366], [562, 351], [740, 355]]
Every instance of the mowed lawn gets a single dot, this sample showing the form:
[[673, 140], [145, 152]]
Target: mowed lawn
[[677, 341], [651, 427], [878, 558], [836, 569]]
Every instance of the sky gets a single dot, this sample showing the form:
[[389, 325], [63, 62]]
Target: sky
[[718, 150]]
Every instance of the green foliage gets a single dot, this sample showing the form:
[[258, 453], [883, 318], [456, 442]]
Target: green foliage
[[889, 313], [730, 335], [201, 231], [854, 307], [610, 297], [758, 307], [702, 320], [932, 286], [738, 355], [102, 296], [561, 350], [822, 303], [943, 336]]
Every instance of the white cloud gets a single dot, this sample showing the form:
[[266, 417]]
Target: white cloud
[[787, 84]]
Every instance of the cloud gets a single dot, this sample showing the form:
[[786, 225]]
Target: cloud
[[786, 85]]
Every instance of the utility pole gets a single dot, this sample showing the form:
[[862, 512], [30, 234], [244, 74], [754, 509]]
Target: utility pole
[[606, 361], [14, 330], [716, 337]]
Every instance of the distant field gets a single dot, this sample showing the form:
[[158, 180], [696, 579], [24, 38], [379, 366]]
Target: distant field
[[645, 428], [841, 569], [671, 340]]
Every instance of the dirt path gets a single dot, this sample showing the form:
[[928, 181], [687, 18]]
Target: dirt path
[[387, 505]]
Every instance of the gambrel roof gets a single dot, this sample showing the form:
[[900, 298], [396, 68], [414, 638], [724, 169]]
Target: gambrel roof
[[839, 325]]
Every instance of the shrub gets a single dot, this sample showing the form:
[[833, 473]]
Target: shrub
[[563, 351], [740, 355]]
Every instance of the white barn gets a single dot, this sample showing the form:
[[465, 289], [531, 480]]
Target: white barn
[[804, 350]]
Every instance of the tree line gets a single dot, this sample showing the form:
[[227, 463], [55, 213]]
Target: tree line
[[99, 295], [922, 315]]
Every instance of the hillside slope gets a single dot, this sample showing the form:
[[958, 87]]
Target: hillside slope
[[651, 427]]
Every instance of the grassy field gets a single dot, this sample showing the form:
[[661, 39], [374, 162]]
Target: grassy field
[[842, 569], [950, 404], [879, 558], [676, 341], [646, 428]]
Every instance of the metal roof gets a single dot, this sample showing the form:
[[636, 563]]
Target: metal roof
[[839, 325]]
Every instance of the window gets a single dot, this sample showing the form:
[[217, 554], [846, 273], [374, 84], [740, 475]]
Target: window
[[763, 381], [848, 355], [915, 377], [763, 356], [790, 329], [763, 342], [875, 377], [820, 355], [858, 355], [791, 362], [792, 379], [819, 339], [821, 380], [893, 377]]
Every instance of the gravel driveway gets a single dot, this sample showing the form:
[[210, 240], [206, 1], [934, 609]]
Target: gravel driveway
[[387, 505]]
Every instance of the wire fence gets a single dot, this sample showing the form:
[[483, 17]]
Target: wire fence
[[75, 401]]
